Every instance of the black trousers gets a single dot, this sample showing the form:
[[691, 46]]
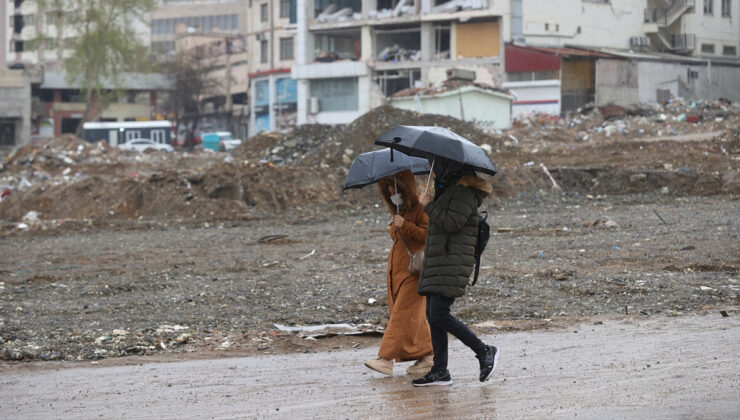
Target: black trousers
[[442, 322]]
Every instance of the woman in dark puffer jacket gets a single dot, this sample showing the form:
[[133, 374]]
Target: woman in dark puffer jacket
[[448, 262]]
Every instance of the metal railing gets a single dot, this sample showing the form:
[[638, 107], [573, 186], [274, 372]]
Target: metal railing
[[683, 42], [656, 15], [660, 15], [678, 6]]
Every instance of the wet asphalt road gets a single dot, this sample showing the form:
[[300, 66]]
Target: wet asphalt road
[[679, 367]]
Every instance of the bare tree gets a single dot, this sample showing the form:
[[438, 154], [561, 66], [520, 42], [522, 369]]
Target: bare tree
[[102, 44], [191, 84]]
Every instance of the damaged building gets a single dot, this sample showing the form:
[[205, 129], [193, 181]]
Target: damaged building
[[460, 97], [352, 55]]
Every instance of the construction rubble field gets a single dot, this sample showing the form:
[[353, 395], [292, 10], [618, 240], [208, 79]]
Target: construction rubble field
[[610, 212]]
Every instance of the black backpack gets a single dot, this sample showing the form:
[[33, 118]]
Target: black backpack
[[484, 233]]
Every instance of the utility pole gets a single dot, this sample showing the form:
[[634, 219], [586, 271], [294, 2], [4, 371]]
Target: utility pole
[[229, 102]]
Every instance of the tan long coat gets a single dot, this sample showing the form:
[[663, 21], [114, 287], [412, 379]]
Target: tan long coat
[[407, 335]]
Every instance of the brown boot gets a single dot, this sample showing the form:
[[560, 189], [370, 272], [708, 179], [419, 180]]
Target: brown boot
[[422, 366], [381, 365]]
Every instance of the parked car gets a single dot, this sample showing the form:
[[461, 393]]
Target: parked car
[[220, 141], [141, 145], [228, 142]]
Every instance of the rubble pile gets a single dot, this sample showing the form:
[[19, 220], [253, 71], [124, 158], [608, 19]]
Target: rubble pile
[[68, 179], [327, 146], [285, 148], [608, 123]]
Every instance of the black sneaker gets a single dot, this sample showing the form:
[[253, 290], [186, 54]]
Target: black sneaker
[[434, 378], [488, 362]]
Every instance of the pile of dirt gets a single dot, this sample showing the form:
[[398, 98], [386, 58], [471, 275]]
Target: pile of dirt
[[597, 125], [69, 179], [324, 145]]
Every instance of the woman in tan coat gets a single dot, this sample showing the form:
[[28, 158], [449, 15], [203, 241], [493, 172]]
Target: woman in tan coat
[[406, 336]]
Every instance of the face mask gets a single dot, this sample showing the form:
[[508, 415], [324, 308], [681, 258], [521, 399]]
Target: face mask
[[396, 199]]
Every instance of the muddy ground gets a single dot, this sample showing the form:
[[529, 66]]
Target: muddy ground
[[203, 253], [634, 367]]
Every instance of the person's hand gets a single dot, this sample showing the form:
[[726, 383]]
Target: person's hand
[[398, 220], [424, 199]]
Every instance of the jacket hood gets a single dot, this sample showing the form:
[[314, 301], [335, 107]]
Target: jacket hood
[[477, 183], [406, 186]]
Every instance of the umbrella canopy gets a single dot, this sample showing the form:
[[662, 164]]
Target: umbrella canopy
[[431, 142], [372, 166]]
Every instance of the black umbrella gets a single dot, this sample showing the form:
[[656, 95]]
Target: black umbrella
[[431, 142], [372, 166]]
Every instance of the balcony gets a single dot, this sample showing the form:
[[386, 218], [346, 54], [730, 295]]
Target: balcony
[[336, 69], [336, 45], [683, 43]]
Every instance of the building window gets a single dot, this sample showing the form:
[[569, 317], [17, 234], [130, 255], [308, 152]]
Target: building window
[[726, 12], [263, 12], [263, 51], [286, 48], [286, 91], [729, 50], [392, 81], [285, 8], [707, 48], [262, 93], [338, 94], [708, 7]]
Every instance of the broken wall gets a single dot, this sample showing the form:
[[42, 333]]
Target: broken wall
[[691, 81], [616, 82], [489, 74]]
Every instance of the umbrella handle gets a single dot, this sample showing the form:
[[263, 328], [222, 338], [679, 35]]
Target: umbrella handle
[[429, 178], [395, 191]]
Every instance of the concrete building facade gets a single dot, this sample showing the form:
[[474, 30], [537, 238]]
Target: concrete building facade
[[40, 34], [352, 55], [175, 17], [271, 43], [15, 106], [58, 105], [706, 28], [631, 78]]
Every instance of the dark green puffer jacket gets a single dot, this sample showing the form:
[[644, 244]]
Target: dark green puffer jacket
[[449, 253]]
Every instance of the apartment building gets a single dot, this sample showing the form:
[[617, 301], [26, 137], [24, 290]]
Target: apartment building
[[37, 101], [626, 51], [351, 55], [174, 17], [39, 33], [272, 30], [693, 28]]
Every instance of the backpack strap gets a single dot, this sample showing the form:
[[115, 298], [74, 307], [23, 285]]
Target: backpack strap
[[477, 257], [477, 269]]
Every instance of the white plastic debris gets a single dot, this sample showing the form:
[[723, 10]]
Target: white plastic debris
[[31, 217]]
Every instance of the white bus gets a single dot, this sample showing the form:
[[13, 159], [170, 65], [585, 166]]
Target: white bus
[[116, 133]]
